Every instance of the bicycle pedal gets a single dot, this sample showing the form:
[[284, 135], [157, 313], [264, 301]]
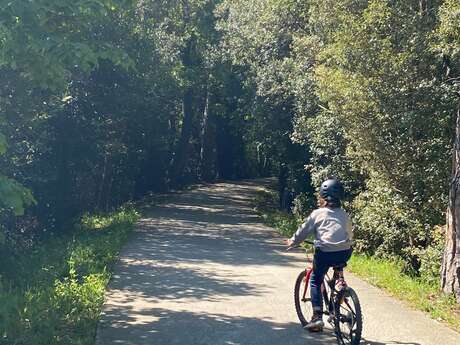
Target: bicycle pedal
[[314, 329]]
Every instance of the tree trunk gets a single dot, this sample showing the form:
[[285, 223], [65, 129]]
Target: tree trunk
[[100, 192], [450, 270], [180, 155], [208, 144], [181, 152]]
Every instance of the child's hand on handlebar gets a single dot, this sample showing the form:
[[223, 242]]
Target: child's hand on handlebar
[[289, 243]]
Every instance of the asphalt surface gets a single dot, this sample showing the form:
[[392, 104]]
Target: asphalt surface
[[202, 269]]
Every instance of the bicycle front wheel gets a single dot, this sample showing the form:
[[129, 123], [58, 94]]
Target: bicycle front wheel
[[302, 299], [348, 318]]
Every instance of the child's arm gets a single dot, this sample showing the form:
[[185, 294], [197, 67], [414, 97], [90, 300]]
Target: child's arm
[[303, 231]]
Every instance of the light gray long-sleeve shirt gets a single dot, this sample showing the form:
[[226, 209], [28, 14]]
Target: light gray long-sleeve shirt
[[331, 228]]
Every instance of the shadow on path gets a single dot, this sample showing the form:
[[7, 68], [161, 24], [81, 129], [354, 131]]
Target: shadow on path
[[392, 342], [207, 225], [161, 326], [153, 282]]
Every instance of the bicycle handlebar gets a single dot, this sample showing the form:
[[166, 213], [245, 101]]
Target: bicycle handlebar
[[298, 245]]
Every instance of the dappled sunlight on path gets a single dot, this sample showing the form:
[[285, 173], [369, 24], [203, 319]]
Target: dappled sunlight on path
[[201, 269], [166, 326]]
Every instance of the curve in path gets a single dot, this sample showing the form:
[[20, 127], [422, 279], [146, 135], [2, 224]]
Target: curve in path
[[202, 269]]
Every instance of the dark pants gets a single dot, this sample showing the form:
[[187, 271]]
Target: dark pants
[[321, 263]]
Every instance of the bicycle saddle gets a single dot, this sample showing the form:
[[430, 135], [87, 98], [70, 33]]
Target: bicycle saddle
[[340, 265]]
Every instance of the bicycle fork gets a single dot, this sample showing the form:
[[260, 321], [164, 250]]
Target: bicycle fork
[[307, 281]]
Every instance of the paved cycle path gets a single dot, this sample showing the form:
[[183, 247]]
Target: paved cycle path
[[202, 269]]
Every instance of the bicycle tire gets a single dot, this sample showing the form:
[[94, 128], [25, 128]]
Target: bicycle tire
[[350, 320], [303, 308]]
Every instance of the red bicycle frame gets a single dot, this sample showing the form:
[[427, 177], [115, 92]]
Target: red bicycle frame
[[308, 272]]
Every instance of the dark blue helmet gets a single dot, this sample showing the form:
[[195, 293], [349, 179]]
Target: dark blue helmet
[[331, 190]]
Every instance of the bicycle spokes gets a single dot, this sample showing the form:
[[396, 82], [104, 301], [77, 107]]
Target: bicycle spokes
[[348, 321]]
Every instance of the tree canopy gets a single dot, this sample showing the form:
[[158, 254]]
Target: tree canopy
[[106, 101]]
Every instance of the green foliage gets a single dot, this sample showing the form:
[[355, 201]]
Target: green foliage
[[385, 224], [448, 30], [364, 86], [14, 196], [265, 205], [431, 258], [303, 204], [48, 40], [53, 293], [384, 120], [365, 99], [283, 221], [325, 136], [3, 144], [261, 48], [103, 102], [386, 108], [379, 208]]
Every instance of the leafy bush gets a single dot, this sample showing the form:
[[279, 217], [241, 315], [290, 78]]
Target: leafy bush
[[385, 224], [431, 258]]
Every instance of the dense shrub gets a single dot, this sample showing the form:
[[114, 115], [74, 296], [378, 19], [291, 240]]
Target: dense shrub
[[431, 258]]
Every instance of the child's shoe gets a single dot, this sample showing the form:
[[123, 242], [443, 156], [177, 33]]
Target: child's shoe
[[316, 324]]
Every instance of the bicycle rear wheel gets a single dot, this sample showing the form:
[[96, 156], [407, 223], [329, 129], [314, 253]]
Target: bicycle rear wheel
[[302, 299], [348, 318]]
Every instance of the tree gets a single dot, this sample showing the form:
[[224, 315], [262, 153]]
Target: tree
[[448, 44], [185, 34], [450, 269], [258, 37], [44, 45]]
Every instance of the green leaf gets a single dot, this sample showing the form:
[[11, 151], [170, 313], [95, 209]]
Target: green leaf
[[3, 144]]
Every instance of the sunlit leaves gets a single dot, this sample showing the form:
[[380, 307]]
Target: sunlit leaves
[[368, 94], [448, 31], [47, 41], [13, 196]]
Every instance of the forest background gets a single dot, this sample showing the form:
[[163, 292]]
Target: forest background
[[107, 101]]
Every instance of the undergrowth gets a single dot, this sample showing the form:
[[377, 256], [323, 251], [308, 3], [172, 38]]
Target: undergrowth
[[52, 294]]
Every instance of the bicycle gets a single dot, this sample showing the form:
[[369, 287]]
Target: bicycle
[[341, 305]]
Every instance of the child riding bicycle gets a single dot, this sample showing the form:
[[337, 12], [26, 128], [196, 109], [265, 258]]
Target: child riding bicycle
[[331, 227]]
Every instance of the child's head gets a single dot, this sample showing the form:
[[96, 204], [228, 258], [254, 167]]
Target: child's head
[[330, 193]]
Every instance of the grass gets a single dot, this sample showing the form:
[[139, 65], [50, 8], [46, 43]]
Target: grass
[[53, 293], [387, 274], [383, 273]]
